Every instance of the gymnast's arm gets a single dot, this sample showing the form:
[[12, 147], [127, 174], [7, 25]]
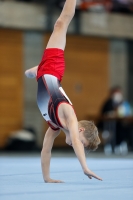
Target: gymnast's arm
[[32, 72], [46, 154], [78, 146]]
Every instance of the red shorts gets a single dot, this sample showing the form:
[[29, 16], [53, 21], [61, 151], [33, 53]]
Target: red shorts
[[53, 63]]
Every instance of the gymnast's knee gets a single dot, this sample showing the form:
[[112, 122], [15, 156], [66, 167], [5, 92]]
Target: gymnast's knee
[[59, 24]]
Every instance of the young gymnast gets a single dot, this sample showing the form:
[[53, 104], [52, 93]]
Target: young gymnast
[[54, 104]]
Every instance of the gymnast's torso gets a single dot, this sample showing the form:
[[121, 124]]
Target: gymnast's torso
[[50, 93]]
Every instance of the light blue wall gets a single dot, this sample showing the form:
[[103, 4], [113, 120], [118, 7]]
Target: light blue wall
[[118, 64], [33, 50]]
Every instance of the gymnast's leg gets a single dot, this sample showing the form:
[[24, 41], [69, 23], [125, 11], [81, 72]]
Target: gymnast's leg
[[58, 37]]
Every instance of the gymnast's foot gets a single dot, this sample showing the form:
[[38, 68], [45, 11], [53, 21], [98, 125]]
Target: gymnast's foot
[[31, 73]]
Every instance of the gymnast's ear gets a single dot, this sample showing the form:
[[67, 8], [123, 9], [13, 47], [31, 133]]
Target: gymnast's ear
[[81, 129]]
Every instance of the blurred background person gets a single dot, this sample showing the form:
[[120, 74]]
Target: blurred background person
[[115, 105], [115, 110]]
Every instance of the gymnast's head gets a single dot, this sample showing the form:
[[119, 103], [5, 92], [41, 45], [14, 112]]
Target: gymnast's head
[[88, 135]]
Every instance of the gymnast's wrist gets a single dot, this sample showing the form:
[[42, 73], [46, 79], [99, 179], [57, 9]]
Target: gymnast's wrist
[[85, 170], [46, 180]]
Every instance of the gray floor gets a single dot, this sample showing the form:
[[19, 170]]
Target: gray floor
[[21, 178]]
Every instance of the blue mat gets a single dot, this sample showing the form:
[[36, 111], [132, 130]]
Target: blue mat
[[21, 179]]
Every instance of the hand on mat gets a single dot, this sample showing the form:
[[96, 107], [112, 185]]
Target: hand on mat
[[53, 181], [91, 174]]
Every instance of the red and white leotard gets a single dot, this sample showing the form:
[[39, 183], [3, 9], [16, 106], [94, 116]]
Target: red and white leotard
[[50, 93], [53, 63]]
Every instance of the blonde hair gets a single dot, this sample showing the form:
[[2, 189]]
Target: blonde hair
[[91, 134]]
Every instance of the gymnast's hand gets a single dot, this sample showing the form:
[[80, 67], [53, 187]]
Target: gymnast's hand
[[53, 181], [91, 174]]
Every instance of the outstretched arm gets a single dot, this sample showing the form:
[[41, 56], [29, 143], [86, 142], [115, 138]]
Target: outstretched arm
[[72, 125], [46, 155], [32, 72], [79, 150]]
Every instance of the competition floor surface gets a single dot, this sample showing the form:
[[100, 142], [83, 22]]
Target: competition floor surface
[[21, 178]]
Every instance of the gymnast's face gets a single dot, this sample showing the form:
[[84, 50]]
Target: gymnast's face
[[82, 138]]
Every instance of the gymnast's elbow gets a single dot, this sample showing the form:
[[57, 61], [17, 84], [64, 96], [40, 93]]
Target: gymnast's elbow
[[45, 152]]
